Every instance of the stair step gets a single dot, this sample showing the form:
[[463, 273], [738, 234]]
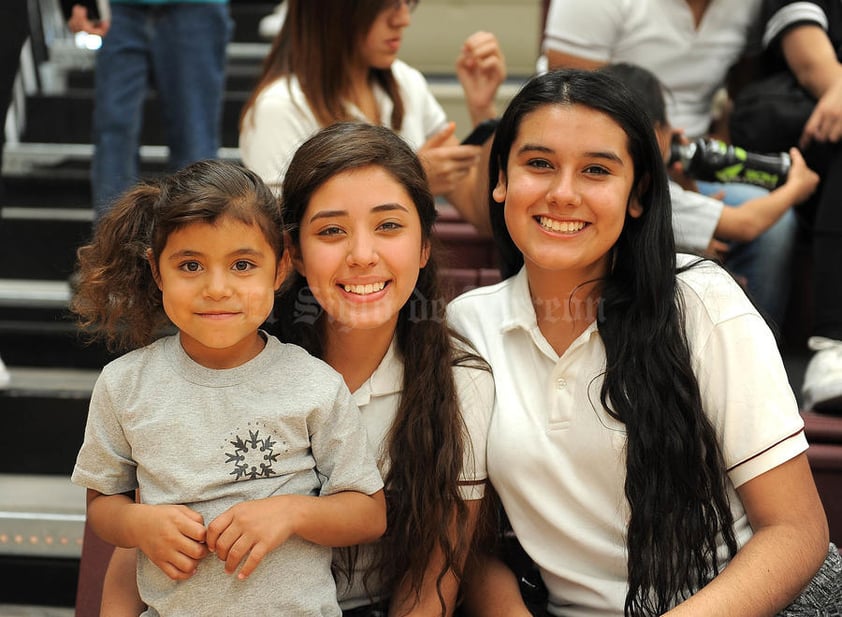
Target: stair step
[[41, 516]]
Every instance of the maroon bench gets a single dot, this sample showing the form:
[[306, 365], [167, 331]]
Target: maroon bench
[[824, 434]]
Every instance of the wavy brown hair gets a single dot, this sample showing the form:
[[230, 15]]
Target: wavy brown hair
[[318, 42], [427, 440], [117, 298]]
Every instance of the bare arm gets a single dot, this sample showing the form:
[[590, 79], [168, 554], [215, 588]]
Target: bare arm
[[120, 597], [789, 545], [250, 530], [558, 60], [752, 218], [492, 590], [403, 601], [813, 61]]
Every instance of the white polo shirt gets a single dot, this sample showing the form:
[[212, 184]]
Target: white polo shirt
[[378, 399], [557, 458], [660, 35], [281, 120]]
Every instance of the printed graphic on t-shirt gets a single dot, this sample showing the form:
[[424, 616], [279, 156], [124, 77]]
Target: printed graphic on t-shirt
[[250, 456]]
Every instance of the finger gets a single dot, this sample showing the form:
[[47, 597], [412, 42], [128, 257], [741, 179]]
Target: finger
[[255, 557], [440, 138], [216, 528], [237, 553]]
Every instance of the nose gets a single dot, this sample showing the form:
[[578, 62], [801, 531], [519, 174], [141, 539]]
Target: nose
[[399, 17], [217, 284], [563, 190], [362, 251]]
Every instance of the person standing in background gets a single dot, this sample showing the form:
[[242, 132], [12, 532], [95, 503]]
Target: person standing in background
[[178, 46], [694, 48]]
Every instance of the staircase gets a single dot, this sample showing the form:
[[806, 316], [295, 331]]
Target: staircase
[[46, 214]]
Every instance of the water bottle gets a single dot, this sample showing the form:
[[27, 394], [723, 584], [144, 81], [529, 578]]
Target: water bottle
[[716, 161]]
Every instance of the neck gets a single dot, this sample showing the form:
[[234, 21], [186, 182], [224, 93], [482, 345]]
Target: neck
[[698, 8], [356, 354], [565, 305]]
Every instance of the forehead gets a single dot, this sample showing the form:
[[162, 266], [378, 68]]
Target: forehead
[[571, 128], [360, 187]]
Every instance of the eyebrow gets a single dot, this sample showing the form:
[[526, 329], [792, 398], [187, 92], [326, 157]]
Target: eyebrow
[[598, 154], [235, 253], [329, 214]]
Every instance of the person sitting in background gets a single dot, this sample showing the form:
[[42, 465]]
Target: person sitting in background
[[803, 40], [701, 222], [335, 60], [693, 47]]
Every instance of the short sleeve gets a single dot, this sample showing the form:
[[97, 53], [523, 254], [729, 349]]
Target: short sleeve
[[475, 389], [104, 462], [694, 218], [584, 29], [340, 448]]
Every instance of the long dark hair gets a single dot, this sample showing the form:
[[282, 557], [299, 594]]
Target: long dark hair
[[317, 43], [117, 298], [426, 442], [675, 475]]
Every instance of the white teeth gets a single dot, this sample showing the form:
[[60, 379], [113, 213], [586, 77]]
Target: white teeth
[[364, 290], [566, 227]]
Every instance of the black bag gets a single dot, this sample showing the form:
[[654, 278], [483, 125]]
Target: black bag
[[769, 114]]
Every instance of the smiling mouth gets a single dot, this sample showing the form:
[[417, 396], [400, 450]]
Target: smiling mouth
[[565, 227], [364, 290]]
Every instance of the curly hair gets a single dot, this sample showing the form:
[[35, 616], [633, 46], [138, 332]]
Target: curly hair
[[116, 297]]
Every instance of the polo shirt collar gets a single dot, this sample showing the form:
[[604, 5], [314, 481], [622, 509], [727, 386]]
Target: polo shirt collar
[[386, 379]]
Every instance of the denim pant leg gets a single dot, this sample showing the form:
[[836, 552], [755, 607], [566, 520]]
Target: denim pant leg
[[766, 262], [190, 59], [121, 80]]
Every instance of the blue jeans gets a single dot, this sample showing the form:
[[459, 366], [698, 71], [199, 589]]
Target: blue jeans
[[766, 261], [182, 49]]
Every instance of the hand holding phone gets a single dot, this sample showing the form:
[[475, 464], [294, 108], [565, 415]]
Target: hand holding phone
[[482, 132]]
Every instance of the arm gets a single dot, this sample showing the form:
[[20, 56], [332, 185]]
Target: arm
[[254, 528], [749, 220], [403, 601], [788, 546], [172, 536], [559, 59], [120, 597], [491, 590], [813, 61]]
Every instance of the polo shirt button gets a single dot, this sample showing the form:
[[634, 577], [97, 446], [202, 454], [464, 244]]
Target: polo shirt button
[[560, 383]]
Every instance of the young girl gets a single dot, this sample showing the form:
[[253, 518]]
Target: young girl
[[335, 60], [645, 443], [219, 422], [366, 298]]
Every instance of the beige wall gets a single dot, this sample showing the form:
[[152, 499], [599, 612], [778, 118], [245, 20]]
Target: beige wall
[[438, 29]]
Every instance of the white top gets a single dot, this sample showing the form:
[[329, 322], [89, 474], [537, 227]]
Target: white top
[[659, 35], [694, 218], [378, 400], [281, 120], [557, 459]]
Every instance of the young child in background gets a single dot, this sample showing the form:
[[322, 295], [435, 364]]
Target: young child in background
[[645, 442], [219, 421]]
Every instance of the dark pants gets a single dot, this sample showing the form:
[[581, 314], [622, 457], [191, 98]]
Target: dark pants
[[14, 28]]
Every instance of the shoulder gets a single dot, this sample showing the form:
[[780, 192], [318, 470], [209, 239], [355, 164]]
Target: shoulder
[[482, 305], [406, 74], [710, 293]]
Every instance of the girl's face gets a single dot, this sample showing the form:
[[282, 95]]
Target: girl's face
[[383, 41], [218, 283], [567, 189], [361, 248]]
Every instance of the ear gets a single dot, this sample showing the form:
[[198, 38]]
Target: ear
[[425, 253], [153, 265], [635, 208], [499, 192], [282, 270], [293, 255]]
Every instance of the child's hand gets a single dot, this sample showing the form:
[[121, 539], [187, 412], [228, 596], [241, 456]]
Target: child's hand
[[445, 162], [172, 537], [801, 178], [253, 529]]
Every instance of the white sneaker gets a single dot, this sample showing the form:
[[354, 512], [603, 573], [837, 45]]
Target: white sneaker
[[5, 378], [822, 389], [270, 25]]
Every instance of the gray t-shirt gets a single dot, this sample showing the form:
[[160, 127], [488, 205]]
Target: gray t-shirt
[[283, 423]]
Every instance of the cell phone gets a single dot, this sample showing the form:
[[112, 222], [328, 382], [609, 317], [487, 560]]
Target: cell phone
[[482, 132]]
